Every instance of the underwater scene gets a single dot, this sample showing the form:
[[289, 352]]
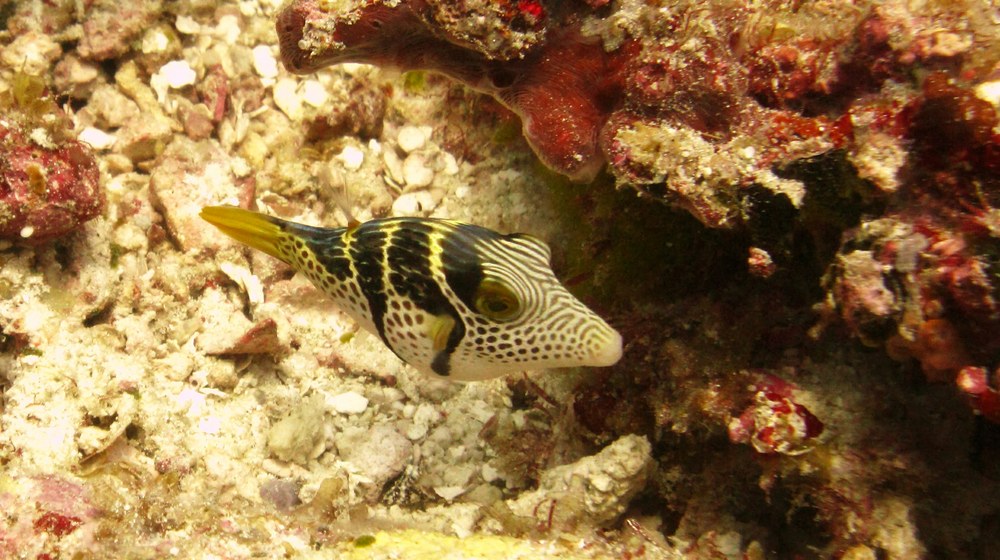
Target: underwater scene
[[500, 279]]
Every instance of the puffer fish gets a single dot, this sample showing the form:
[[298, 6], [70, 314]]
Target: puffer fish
[[451, 299]]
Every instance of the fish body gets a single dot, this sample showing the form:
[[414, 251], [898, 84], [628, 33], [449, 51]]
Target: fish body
[[451, 299]]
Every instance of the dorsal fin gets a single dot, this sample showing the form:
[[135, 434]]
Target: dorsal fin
[[532, 243]]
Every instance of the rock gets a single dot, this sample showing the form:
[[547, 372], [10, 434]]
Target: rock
[[144, 137], [49, 182], [261, 338], [299, 436], [410, 138], [110, 108], [78, 78], [381, 453], [189, 176], [591, 492], [416, 174], [110, 27], [348, 403], [31, 53], [197, 122]]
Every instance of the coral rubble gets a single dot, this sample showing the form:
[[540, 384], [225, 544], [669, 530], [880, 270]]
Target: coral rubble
[[715, 109]]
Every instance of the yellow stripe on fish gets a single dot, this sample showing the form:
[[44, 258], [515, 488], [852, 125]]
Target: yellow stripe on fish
[[449, 298]]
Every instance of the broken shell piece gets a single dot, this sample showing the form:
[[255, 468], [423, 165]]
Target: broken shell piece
[[416, 174], [261, 338], [286, 97], [410, 138], [352, 158], [449, 493], [97, 138], [246, 279], [177, 74], [93, 440], [413, 204], [393, 168], [348, 403], [264, 62]]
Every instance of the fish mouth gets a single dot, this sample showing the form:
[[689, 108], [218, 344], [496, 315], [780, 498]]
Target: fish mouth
[[607, 349]]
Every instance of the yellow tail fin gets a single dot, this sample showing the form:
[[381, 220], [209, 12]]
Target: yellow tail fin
[[252, 228]]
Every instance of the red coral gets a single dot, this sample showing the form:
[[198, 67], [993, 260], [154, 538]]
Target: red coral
[[56, 524], [983, 396], [701, 89], [930, 270], [951, 124], [775, 423], [783, 73]]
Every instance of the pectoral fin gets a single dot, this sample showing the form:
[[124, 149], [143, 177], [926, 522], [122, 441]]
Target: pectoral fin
[[441, 329]]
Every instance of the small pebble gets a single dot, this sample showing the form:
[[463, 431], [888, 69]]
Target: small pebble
[[348, 403], [450, 164], [287, 98], [410, 138], [178, 74], [413, 204], [352, 158], [393, 167], [97, 138], [989, 91], [228, 29], [415, 173], [187, 25], [314, 93], [264, 62], [155, 41], [282, 493]]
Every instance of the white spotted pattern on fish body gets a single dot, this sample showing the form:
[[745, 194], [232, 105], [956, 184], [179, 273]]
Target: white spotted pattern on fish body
[[451, 299]]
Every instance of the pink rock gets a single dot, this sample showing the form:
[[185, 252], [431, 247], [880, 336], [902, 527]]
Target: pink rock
[[261, 338], [189, 176], [110, 27], [49, 182]]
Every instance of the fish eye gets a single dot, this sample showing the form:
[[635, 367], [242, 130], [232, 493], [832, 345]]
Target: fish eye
[[496, 301]]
